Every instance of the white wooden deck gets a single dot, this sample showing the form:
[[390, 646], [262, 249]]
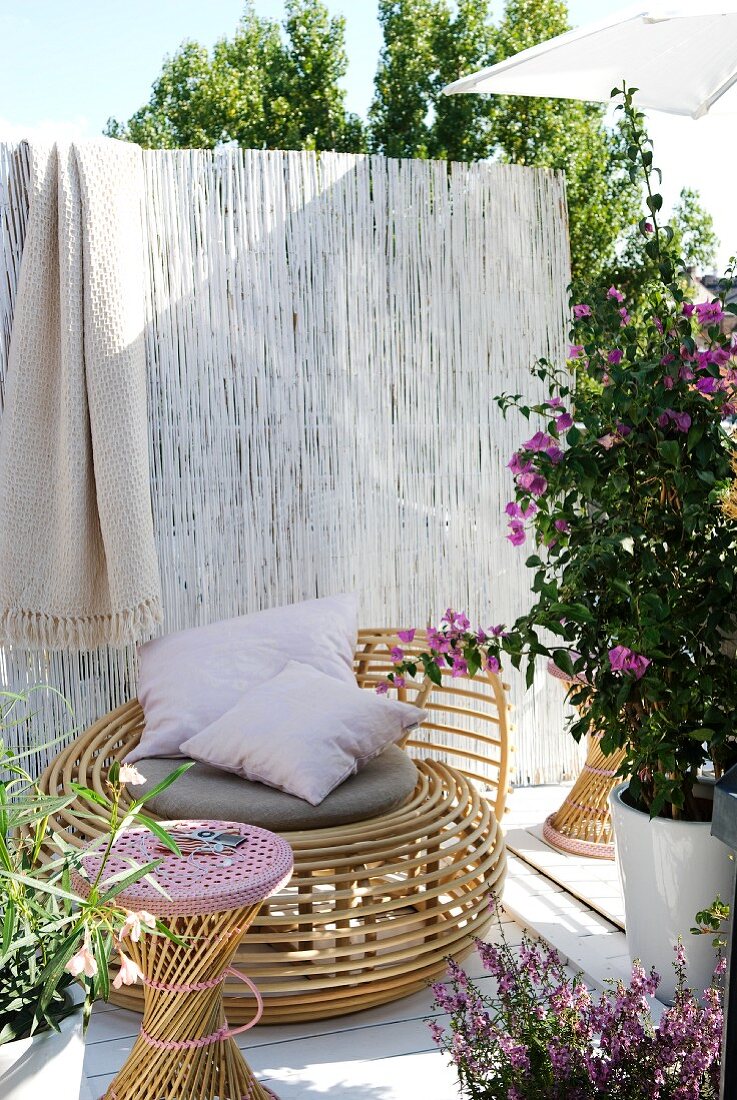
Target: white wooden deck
[[386, 1053]]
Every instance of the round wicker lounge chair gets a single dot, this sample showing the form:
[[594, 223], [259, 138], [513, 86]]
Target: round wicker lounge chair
[[375, 905]]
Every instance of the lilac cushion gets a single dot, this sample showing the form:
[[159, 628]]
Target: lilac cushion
[[302, 732], [190, 679]]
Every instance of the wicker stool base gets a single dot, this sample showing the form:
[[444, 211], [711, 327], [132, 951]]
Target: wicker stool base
[[583, 826]]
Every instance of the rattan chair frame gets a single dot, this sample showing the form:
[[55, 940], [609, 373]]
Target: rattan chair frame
[[373, 908]]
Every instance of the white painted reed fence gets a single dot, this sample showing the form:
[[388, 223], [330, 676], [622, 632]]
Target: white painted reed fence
[[324, 337]]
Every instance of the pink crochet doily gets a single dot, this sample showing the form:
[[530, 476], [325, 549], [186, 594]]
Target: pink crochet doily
[[216, 870]]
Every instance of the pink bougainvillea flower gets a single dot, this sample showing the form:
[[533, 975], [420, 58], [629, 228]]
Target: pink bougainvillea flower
[[492, 663], [382, 687], [668, 381], [658, 324], [624, 315], [532, 483], [667, 360], [688, 308], [516, 533], [498, 631], [710, 313], [554, 402], [83, 961], [623, 429], [134, 924], [685, 373], [538, 442], [617, 295], [682, 421], [623, 659], [517, 466], [615, 356], [513, 509], [649, 227], [399, 682], [554, 454], [563, 526], [529, 510], [130, 774], [460, 666], [397, 654], [607, 441], [707, 385], [564, 422], [407, 636], [728, 409], [574, 351], [481, 636], [581, 310], [129, 972], [663, 419]]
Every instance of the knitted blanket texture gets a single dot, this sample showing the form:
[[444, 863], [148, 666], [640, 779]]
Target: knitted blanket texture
[[78, 564]]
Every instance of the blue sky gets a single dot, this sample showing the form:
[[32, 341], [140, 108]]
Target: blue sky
[[67, 65]]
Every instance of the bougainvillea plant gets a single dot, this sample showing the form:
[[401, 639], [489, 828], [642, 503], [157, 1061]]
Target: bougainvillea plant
[[545, 1036], [621, 492]]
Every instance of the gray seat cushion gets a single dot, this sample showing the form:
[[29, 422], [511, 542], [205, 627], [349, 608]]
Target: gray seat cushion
[[383, 785]]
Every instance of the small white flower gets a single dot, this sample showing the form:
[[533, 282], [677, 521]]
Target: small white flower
[[134, 924], [130, 774], [129, 972]]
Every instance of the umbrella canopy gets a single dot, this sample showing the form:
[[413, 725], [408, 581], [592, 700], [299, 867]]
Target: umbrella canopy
[[682, 58]]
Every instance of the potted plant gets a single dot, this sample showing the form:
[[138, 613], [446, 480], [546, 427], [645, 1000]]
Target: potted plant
[[623, 491], [55, 945], [545, 1036]]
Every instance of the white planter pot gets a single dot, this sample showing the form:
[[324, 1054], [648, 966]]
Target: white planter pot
[[669, 871], [47, 1065]]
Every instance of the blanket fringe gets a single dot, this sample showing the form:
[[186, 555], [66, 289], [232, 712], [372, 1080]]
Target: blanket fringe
[[40, 630]]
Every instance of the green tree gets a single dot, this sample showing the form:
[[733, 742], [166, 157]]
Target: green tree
[[261, 88]]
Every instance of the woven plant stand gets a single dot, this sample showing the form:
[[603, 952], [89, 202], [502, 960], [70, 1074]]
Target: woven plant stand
[[186, 1048], [583, 825]]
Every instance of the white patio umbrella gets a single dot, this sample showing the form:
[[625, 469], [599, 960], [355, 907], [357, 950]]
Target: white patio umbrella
[[682, 57]]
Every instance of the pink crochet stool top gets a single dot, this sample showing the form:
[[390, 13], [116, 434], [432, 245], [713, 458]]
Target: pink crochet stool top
[[224, 865]]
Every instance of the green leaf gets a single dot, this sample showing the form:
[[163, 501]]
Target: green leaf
[[562, 660], [670, 451], [153, 827], [162, 786]]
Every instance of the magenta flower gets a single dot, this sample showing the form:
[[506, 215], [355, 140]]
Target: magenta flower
[[574, 351], [539, 441], [667, 360], [564, 422], [513, 509], [382, 687], [709, 313], [529, 510], [492, 664], [707, 385], [406, 635], [685, 373], [563, 526], [649, 227], [581, 310], [517, 466], [397, 655], [614, 357], [554, 454], [682, 421], [516, 533], [659, 325], [460, 666], [532, 483], [623, 429], [607, 441], [399, 682], [624, 315], [623, 659], [554, 402], [617, 295], [688, 308]]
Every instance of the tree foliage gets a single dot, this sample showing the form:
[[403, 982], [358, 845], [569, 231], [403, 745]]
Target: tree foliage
[[280, 88]]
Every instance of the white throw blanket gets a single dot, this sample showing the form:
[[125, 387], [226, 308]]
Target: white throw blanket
[[78, 565]]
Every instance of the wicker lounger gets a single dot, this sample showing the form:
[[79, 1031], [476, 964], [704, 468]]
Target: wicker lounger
[[374, 906]]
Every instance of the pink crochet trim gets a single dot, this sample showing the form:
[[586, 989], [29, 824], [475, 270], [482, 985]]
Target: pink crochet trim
[[218, 1036]]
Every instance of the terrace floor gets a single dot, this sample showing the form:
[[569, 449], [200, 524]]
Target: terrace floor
[[386, 1053]]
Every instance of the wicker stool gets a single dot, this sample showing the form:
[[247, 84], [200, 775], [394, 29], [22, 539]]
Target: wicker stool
[[583, 825], [185, 1048]]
